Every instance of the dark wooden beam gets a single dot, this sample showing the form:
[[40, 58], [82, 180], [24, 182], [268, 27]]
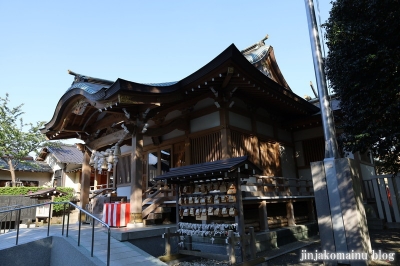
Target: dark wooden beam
[[108, 139], [164, 110], [180, 123], [72, 129], [108, 121], [228, 77]]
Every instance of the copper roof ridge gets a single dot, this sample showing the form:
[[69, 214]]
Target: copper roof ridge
[[254, 46], [84, 78]]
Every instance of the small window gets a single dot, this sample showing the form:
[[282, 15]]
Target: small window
[[165, 160], [152, 165]]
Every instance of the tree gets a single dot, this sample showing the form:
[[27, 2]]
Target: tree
[[16, 144], [363, 65]]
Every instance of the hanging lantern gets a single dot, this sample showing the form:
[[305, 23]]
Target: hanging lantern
[[117, 150], [117, 153], [95, 161], [91, 161], [110, 161], [103, 163], [110, 158]]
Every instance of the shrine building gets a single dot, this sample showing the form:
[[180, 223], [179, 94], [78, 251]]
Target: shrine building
[[233, 125]]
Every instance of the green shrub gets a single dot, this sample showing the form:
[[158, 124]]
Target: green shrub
[[18, 191], [67, 194]]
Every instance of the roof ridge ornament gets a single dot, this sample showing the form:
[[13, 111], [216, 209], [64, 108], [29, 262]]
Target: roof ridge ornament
[[83, 78], [78, 77], [256, 45], [262, 42]]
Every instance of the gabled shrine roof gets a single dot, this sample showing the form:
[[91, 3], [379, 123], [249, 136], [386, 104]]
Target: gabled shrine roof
[[232, 73]]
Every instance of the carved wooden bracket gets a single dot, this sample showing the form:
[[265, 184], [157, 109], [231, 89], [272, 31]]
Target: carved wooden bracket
[[109, 139], [79, 107]]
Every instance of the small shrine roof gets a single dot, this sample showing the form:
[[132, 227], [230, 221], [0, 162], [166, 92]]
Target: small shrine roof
[[207, 169], [45, 193]]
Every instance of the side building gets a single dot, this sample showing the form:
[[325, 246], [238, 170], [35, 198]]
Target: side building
[[28, 173]]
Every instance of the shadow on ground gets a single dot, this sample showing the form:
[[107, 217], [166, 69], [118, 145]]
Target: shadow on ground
[[387, 241]]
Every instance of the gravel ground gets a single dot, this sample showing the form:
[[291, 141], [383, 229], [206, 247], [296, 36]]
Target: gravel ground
[[385, 240]]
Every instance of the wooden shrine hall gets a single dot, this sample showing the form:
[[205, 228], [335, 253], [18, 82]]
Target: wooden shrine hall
[[161, 144]]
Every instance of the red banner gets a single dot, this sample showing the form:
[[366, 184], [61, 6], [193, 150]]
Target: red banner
[[116, 214]]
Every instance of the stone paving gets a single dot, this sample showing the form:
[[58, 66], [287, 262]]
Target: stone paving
[[121, 253], [124, 253]]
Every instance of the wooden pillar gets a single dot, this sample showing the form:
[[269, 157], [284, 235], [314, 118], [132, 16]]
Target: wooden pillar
[[225, 134], [290, 213], [226, 143], [311, 212], [263, 215], [167, 242], [136, 180], [108, 178], [158, 162], [85, 179], [239, 219], [114, 175], [231, 247], [187, 151], [255, 143]]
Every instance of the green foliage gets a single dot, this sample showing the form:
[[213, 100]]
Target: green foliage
[[17, 139], [363, 66], [18, 191], [67, 195]]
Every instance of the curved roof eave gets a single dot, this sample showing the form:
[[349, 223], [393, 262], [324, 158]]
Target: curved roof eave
[[231, 53], [125, 85]]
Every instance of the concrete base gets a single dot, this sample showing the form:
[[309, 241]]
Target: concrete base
[[341, 215], [264, 240], [150, 239]]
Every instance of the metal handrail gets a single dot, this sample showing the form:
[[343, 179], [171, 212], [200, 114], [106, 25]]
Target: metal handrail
[[18, 210], [11, 206], [4, 218]]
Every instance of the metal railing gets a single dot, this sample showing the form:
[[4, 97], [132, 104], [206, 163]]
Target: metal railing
[[18, 215], [7, 215]]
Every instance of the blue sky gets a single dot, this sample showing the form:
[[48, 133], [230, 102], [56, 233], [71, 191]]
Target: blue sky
[[141, 41]]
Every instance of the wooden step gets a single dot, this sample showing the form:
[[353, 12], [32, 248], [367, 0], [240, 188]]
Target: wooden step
[[149, 221], [154, 216], [162, 209]]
